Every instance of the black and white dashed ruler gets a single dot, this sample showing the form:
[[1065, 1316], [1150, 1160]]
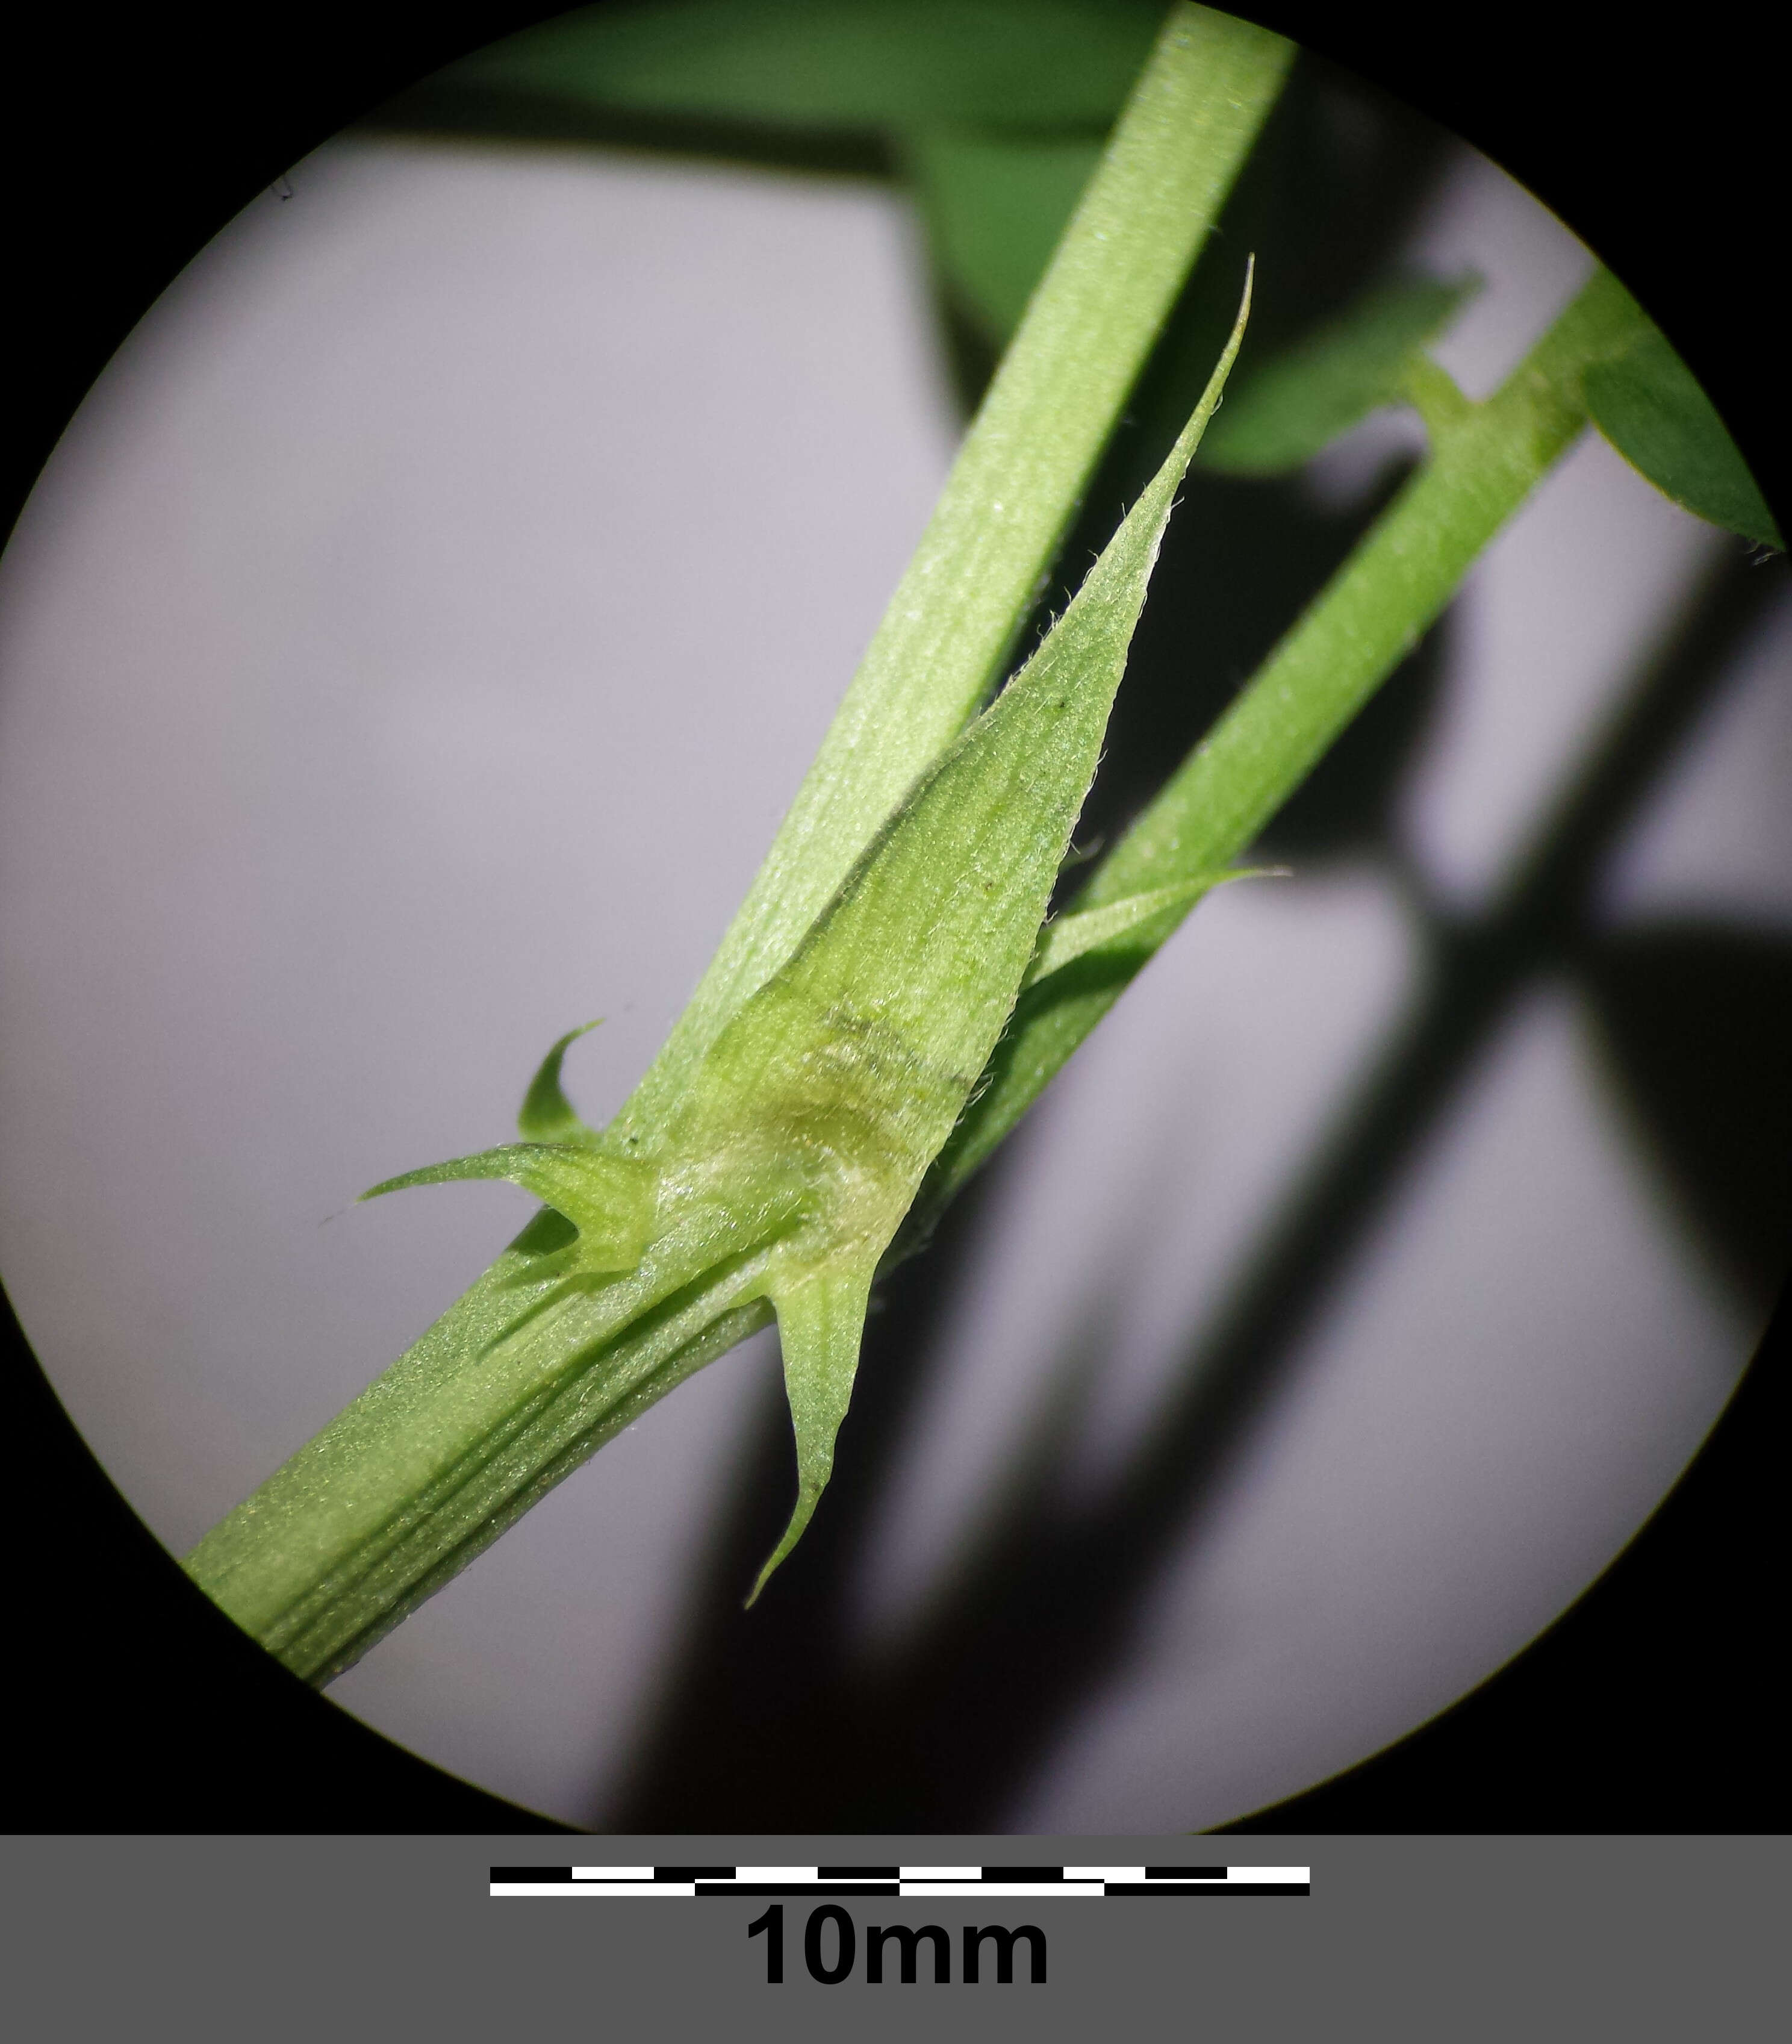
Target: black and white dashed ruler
[[831, 1882]]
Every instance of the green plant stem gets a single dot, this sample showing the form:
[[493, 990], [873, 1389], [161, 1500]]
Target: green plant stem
[[520, 1380], [1485, 460], [1019, 475], [339, 1612]]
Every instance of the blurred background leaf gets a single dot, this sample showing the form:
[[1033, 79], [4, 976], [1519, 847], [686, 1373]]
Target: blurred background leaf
[[834, 64], [995, 206], [1294, 405]]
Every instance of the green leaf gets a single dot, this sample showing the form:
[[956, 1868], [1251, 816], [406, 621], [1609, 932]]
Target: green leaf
[[1067, 938], [835, 64], [850, 1068], [1305, 398], [995, 206], [1648, 405], [547, 1116]]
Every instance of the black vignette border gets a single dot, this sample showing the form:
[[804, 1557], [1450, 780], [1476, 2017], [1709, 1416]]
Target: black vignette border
[[137, 136]]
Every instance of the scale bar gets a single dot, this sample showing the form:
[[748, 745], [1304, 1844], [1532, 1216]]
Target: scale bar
[[1035, 1883]]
